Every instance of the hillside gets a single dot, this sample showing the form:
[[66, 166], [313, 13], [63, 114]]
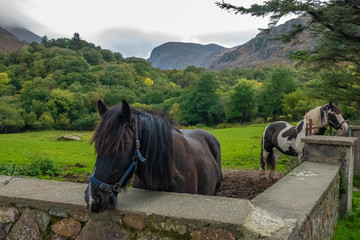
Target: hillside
[[178, 55], [23, 34], [260, 51], [8, 41]]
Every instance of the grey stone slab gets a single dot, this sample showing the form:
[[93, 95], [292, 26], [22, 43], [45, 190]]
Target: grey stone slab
[[71, 195], [188, 206], [294, 196], [329, 140]]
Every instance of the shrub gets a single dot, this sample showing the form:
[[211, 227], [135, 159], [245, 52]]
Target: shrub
[[42, 166], [10, 169]]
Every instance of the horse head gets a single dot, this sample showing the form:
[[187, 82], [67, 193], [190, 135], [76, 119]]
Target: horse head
[[117, 147], [335, 118]]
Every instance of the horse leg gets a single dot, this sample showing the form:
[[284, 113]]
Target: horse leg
[[264, 156], [273, 164]]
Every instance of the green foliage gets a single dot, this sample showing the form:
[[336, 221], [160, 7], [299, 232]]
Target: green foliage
[[200, 103], [342, 85], [280, 83], [335, 24], [297, 103], [242, 106], [356, 181], [10, 119], [42, 166], [348, 228], [11, 169], [56, 85]]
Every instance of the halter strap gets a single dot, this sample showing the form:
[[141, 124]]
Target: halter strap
[[336, 126], [116, 188]]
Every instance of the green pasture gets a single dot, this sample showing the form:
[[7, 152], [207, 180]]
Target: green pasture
[[240, 149], [22, 148]]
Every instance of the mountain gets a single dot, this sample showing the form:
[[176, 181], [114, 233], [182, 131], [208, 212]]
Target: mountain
[[258, 52], [23, 34], [8, 41], [178, 55], [261, 51]]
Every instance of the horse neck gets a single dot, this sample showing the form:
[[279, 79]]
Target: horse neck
[[319, 118], [156, 146]]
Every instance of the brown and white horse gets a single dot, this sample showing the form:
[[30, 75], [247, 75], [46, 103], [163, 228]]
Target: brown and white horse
[[286, 139]]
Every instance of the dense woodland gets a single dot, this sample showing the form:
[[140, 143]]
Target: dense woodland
[[56, 85]]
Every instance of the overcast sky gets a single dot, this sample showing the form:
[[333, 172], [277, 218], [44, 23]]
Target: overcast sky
[[133, 27]]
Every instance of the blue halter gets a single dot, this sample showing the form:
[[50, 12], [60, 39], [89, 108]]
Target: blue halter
[[116, 188]]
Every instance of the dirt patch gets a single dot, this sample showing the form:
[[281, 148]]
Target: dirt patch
[[244, 184]]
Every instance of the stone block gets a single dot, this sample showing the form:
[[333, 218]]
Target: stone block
[[25, 228], [337, 150], [67, 227], [103, 230], [8, 214]]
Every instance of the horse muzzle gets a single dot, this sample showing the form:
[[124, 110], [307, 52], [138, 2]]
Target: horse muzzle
[[98, 201]]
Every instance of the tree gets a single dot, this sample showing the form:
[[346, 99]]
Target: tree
[[281, 82], [336, 21], [76, 42], [108, 55], [92, 56], [299, 102], [4, 79], [10, 119], [242, 104], [44, 40], [61, 102], [200, 103]]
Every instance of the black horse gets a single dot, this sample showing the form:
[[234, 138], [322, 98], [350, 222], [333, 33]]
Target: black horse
[[129, 141]]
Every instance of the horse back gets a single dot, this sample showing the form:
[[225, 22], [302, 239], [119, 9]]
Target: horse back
[[283, 136], [201, 155]]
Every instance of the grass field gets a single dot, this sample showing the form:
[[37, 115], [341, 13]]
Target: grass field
[[22, 148], [240, 149]]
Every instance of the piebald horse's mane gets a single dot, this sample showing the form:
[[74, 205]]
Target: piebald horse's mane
[[319, 116]]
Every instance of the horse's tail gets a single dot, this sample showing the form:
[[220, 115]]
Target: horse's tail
[[218, 161], [269, 161]]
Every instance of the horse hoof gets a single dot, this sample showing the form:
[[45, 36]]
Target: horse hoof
[[262, 176]]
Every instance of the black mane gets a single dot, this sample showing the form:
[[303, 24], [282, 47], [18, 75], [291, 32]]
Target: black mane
[[155, 134], [157, 147], [111, 131]]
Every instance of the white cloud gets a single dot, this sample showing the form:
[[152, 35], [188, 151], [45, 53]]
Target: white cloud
[[135, 27], [130, 42]]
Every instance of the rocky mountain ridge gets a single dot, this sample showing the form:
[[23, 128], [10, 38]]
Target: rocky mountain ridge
[[8, 42], [179, 55], [258, 52]]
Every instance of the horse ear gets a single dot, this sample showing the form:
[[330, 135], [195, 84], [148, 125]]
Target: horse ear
[[102, 108], [126, 110]]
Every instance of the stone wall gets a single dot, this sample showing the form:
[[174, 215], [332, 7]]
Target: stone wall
[[355, 132], [336, 150], [302, 205]]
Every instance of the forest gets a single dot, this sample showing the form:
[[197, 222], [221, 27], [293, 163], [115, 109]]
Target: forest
[[56, 85]]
